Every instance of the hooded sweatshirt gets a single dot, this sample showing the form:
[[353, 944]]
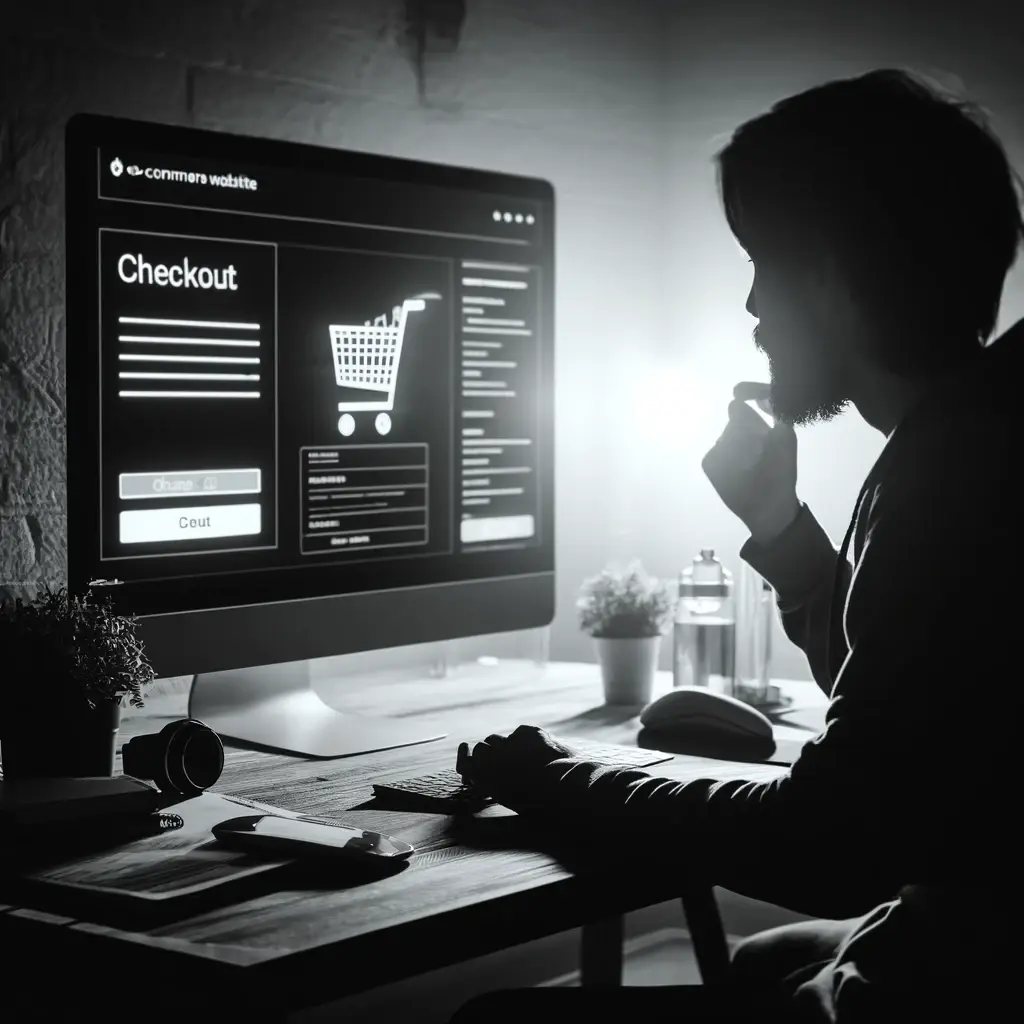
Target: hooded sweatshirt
[[901, 811]]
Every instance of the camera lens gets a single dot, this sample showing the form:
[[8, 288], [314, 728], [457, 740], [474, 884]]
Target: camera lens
[[202, 758], [184, 759]]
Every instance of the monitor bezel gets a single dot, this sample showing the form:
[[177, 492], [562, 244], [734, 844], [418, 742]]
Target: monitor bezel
[[482, 604]]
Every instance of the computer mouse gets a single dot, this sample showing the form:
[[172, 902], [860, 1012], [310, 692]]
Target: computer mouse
[[698, 710]]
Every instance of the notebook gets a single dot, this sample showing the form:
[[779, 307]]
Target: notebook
[[171, 871], [31, 803]]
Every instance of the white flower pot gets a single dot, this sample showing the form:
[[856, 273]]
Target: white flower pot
[[628, 668]]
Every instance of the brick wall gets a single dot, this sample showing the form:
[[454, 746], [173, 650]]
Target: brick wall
[[567, 90]]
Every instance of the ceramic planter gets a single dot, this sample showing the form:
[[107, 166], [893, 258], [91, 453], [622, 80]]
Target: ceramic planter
[[628, 668]]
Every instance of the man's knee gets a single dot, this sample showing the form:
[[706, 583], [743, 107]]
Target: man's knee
[[754, 958], [768, 958]]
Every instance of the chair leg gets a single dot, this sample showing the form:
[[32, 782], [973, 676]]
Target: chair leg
[[704, 923], [601, 955]]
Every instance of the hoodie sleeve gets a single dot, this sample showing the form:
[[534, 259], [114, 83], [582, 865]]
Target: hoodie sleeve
[[862, 811], [800, 564]]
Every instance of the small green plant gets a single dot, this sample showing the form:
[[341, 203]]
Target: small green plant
[[71, 650], [624, 604]]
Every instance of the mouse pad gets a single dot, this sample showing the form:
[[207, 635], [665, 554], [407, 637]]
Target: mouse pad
[[810, 718], [783, 749]]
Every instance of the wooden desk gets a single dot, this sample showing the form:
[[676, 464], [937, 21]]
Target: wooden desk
[[304, 947]]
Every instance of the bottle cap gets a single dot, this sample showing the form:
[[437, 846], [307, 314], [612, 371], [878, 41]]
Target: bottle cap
[[706, 577]]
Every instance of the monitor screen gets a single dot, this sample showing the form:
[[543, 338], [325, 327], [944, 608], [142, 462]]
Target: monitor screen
[[297, 372]]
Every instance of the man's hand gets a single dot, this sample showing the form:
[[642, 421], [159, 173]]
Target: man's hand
[[753, 466], [507, 767]]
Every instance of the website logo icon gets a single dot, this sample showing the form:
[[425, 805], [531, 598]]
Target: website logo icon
[[134, 170], [116, 167]]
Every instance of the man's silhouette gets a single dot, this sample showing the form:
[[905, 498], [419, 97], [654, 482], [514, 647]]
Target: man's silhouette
[[881, 218]]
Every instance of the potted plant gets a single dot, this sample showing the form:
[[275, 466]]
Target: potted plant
[[70, 664], [627, 613]]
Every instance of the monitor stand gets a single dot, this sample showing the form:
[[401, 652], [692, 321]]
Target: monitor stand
[[274, 707]]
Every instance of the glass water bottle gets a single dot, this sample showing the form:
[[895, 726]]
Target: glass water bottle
[[705, 628], [755, 615]]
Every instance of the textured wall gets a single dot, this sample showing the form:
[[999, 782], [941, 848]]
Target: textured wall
[[570, 91], [621, 104], [620, 107]]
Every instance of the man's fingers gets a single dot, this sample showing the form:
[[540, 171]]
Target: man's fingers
[[476, 766], [783, 428], [751, 391], [528, 732], [742, 416], [754, 391]]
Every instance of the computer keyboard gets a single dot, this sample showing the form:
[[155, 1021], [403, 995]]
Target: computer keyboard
[[447, 791]]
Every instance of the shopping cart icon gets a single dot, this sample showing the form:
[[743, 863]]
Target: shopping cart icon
[[367, 357]]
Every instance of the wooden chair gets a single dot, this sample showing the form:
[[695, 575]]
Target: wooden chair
[[601, 945], [707, 933]]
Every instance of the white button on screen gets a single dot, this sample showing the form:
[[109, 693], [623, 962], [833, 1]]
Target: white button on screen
[[153, 525], [177, 484], [478, 531]]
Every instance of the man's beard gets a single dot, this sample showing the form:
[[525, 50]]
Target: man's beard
[[803, 391]]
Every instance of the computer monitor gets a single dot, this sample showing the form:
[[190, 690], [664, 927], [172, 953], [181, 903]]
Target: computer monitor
[[309, 412]]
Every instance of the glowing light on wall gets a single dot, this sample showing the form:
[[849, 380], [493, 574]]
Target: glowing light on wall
[[669, 414]]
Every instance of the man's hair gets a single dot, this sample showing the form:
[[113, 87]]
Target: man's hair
[[904, 186]]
